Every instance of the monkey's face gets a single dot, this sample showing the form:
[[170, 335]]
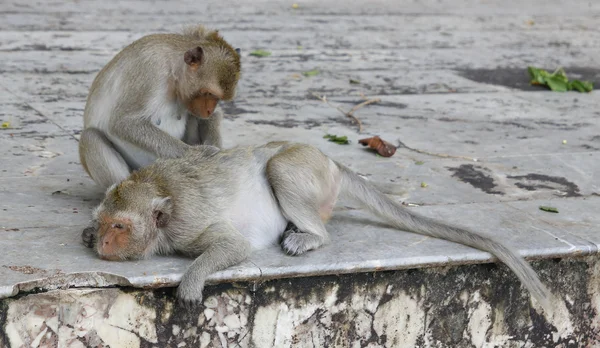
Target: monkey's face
[[214, 72], [122, 237], [129, 221]]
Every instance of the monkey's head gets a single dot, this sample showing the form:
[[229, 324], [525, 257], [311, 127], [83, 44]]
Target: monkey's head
[[212, 71], [129, 221]]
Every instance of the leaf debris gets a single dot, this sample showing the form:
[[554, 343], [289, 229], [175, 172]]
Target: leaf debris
[[343, 140], [5, 124], [548, 209], [313, 72], [382, 147], [558, 81], [260, 53]]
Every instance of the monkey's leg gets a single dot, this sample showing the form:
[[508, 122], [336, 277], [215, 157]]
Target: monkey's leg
[[303, 201], [100, 159], [218, 247]]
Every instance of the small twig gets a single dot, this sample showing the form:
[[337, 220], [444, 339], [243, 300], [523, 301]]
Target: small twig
[[324, 99], [365, 103], [441, 155], [351, 112]]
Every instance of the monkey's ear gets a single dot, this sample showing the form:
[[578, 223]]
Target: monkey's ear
[[161, 211], [194, 57]]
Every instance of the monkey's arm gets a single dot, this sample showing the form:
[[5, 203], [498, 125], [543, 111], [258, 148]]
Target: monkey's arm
[[141, 132], [219, 246]]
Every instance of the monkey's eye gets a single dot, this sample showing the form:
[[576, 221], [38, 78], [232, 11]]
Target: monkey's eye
[[118, 226], [237, 50]]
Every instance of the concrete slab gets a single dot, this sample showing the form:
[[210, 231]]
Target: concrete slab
[[39, 156], [452, 81], [334, 59], [350, 32], [466, 8]]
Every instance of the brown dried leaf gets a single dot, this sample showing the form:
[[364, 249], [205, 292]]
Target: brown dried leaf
[[382, 147]]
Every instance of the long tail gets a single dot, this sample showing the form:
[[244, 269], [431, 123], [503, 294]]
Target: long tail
[[358, 189]]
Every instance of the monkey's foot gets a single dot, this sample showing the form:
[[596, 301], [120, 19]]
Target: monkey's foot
[[290, 228], [89, 236], [295, 242]]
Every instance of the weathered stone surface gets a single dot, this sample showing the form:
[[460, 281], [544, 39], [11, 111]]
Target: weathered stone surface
[[478, 305], [336, 60]]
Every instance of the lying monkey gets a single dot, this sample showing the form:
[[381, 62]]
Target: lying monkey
[[219, 206]]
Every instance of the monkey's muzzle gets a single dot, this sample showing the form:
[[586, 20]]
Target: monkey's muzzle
[[204, 105], [110, 258]]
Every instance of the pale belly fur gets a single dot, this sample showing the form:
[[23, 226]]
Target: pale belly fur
[[256, 214]]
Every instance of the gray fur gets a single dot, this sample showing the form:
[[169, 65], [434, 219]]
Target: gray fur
[[106, 166], [303, 182]]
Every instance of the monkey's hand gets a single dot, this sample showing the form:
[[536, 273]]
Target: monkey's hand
[[189, 292], [179, 151], [205, 150], [89, 236], [219, 246]]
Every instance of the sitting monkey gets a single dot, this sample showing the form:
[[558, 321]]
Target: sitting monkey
[[157, 98], [218, 207]]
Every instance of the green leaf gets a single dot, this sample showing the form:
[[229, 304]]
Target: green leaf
[[581, 86], [419, 163], [536, 75], [423, 185], [260, 53], [313, 72], [589, 86], [548, 209], [354, 82], [560, 73], [343, 140], [557, 83]]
